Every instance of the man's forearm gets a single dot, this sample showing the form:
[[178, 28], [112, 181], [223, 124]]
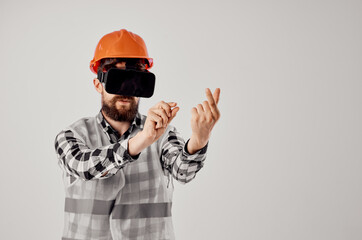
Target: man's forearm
[[138, 143]]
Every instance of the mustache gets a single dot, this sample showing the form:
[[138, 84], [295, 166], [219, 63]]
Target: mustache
[[123, 98]]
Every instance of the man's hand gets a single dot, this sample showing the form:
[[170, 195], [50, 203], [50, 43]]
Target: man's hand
[[158, 118], [204, 118]]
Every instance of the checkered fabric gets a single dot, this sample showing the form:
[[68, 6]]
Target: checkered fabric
[[111, 195]]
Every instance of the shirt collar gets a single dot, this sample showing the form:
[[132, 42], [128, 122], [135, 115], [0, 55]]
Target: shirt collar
[[113, 134]]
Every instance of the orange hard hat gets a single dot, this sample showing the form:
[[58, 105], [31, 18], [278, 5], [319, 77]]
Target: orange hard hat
[[120, 44]]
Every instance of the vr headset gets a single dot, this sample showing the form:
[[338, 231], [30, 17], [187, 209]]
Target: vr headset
[[128, 82]]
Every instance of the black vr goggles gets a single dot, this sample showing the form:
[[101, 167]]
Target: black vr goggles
[[128, 82]]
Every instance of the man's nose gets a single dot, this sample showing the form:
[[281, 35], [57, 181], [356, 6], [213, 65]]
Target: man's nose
[[121, 65]]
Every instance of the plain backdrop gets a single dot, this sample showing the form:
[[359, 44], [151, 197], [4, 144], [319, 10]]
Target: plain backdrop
[[284, 160]]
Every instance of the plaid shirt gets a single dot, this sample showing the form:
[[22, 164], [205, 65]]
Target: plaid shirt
[[112, 195]]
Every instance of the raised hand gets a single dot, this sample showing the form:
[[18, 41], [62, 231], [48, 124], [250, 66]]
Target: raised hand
[[204, 118]]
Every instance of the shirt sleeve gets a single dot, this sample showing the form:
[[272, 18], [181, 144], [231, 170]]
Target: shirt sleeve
[[177, 161], [80, 161]]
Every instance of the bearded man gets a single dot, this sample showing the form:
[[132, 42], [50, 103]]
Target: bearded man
[[117, 165]]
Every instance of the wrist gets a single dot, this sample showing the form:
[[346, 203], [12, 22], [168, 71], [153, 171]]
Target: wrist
[[196, 143], [137, 143]]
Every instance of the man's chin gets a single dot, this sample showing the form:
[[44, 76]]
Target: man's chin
[[120, 111]]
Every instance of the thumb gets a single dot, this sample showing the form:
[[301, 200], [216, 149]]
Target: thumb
[[173, 113]]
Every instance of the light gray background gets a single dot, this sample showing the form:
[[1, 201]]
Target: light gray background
[[284, 161]]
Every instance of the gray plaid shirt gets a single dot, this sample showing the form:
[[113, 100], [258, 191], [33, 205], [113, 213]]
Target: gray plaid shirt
[[112, 195]]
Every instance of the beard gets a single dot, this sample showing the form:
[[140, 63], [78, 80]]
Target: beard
[[126, 113]]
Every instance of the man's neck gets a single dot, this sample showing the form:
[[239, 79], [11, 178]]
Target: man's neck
[[120, 127]]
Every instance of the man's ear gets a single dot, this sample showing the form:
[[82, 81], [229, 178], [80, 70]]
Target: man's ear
[[98, 85]]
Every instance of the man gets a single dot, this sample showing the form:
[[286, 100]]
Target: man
[[117, 166]]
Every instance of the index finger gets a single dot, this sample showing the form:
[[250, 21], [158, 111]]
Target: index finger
[[210, 98]]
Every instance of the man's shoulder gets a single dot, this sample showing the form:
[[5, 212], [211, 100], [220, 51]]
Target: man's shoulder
[[82, 122], [80, 127]]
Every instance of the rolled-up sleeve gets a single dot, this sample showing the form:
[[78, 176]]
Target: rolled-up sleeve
[[182, 165], [80, 161]]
